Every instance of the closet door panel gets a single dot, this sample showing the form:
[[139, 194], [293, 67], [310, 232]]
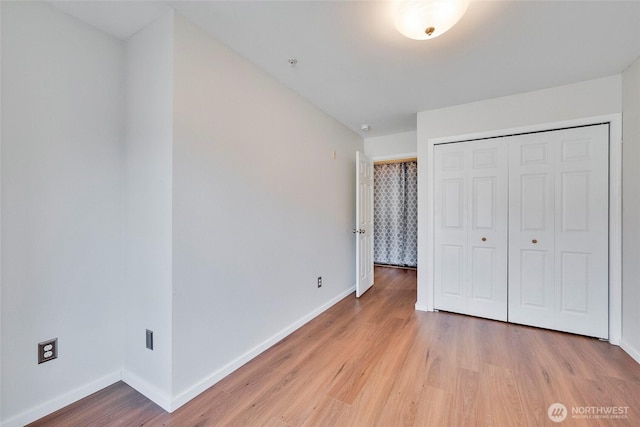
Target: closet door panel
[[487, 236], [558, 236], [581, 231], [451, 227], [531, 220], [453, 270], [453, 204], [483, 273], [471, 228], [534, 201], [534, 277]]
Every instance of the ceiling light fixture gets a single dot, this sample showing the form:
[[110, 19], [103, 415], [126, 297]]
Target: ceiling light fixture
[[426, 19], [365, 128]]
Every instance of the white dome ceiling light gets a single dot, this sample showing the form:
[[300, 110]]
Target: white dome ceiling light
[[427, 19]]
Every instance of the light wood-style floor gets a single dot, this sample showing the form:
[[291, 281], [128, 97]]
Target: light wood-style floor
[[375, 361]]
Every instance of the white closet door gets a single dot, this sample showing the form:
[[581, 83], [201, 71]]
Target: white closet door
[[531, 229], [582, 231], [487, 236], [471, 228], [451, 227], [558, 235]]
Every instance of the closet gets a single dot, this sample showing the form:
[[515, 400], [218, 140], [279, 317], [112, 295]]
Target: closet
[[521, 229]]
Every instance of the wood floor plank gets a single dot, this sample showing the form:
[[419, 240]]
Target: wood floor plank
[[499, 397], [357, 371], [329, 412], [406, 398], [464, 410], [436, 408], [375, 361]]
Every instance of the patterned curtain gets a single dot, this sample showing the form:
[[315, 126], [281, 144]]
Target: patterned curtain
[[395, 214]]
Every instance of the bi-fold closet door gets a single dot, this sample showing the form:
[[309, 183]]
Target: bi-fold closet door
[[559, 230], [549, 216], [471, 228]]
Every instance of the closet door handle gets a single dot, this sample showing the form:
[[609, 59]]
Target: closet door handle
[[534, 241], [484, 239]]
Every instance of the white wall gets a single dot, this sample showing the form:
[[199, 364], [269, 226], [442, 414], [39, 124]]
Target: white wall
[[148, 209], [62, 98], [260, 210], [585, 99], [631, 210], [391, 146], [153, 186]]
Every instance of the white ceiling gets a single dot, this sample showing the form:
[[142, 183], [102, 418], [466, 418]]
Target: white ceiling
[[355, 66]]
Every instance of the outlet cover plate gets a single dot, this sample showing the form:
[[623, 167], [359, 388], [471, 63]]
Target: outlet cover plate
[[47, 350]]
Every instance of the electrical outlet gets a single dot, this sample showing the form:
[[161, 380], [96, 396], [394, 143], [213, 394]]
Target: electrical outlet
[[47, 350], [149, 339], [320, 281]]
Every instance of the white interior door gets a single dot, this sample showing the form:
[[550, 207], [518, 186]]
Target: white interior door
[[487, 237], [450, 234], [471, 228], [558, 238], [531, 232], [364, 224]]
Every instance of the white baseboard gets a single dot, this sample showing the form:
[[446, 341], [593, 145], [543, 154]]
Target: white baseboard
[[630, 350], [421, 307], [150, 392], [60, 402], [207, 382]]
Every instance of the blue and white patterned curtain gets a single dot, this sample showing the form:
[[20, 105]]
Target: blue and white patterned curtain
[[395, 214]]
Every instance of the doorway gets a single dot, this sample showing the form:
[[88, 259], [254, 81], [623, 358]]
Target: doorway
[[396, 212]]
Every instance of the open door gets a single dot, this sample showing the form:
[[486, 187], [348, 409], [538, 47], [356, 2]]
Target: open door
[[364, 224]]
